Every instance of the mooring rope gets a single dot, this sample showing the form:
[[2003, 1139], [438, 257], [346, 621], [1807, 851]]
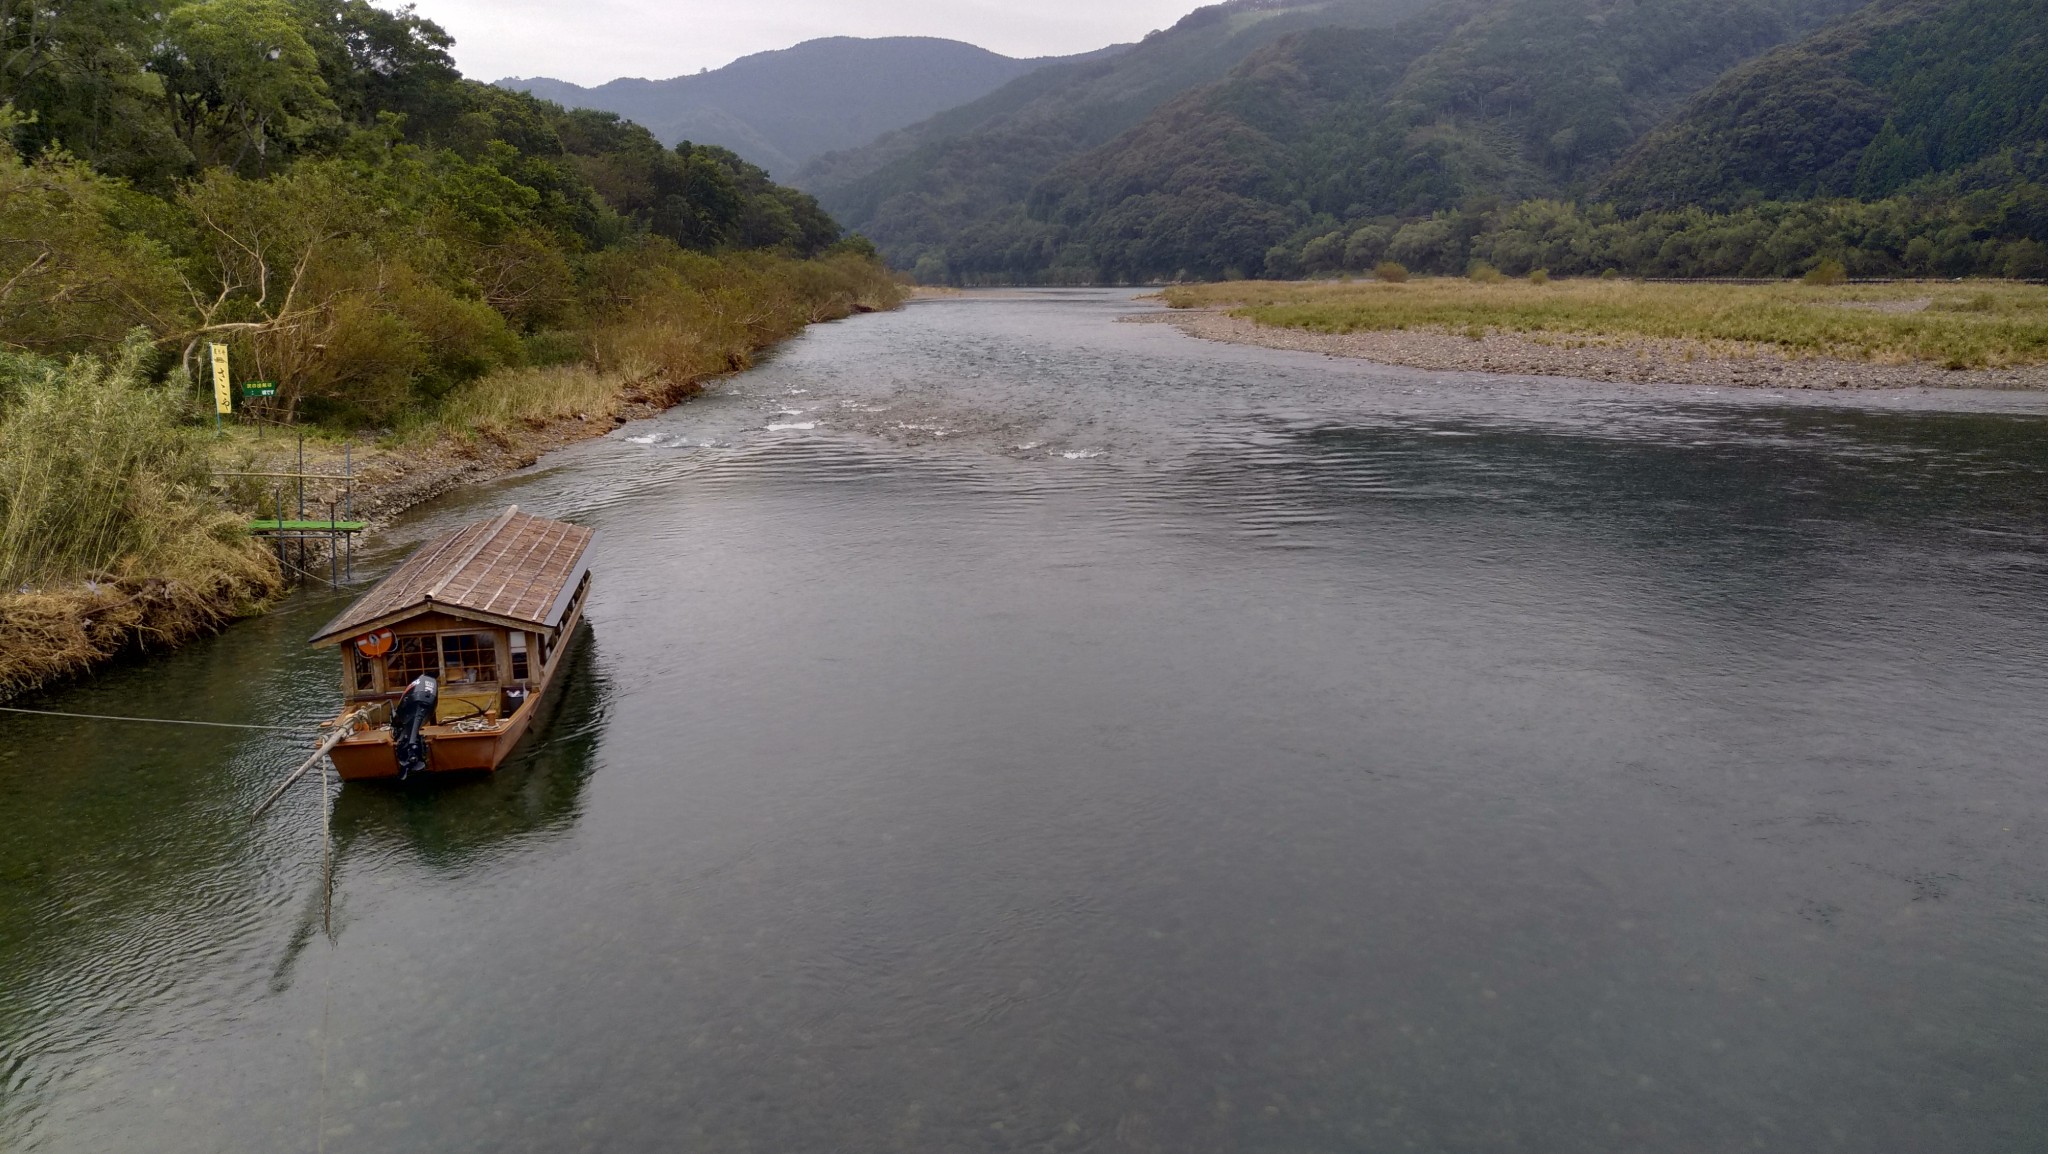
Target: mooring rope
[[326, 874], [156, 720]]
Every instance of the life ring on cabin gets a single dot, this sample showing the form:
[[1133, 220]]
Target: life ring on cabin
[[376, 644]]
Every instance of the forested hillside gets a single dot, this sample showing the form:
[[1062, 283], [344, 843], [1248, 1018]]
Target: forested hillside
[[916, 192], [312, 182], [1505, 98], [781, 109], [1901, 91], [1663, 137]]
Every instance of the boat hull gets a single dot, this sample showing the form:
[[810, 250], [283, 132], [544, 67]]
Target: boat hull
[[375, 756]]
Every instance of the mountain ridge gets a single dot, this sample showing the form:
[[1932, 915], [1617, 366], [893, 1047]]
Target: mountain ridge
[[912, 190], [1511, 99], [783, 107]]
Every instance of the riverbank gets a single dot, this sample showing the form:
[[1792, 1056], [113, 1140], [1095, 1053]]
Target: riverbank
[[51, 635], [1971, 336], [395, 472], [497, 425]]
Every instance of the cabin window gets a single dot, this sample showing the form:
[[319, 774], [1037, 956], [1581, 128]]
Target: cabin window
[[411, 659], [469, 659], [519, 665], [365, 671]]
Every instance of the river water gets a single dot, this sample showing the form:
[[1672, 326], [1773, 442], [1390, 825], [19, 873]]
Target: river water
[[1002, 728]]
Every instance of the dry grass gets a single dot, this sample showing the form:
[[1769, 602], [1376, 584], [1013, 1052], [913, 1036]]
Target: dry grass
[[54, 633], [510, 398], [1958, 325], [674, 321]]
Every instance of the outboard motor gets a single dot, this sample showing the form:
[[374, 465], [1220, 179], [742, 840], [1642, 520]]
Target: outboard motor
[[414, 710]]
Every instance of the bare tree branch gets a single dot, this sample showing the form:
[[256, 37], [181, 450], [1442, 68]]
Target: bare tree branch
[[13, 282]]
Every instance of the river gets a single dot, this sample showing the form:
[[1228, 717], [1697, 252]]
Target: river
[[1004, 728]]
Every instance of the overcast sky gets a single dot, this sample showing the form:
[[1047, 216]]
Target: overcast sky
[[591, 41]]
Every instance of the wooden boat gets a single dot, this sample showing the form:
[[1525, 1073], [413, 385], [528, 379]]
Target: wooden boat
[[488, 612]]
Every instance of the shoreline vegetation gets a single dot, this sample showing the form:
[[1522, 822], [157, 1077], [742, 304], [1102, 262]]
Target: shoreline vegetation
[[1800, 335], [505, 422], [462, 275], [108, 536], [161, 556]]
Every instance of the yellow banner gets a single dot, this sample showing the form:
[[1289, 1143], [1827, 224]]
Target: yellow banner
[[223, 400]]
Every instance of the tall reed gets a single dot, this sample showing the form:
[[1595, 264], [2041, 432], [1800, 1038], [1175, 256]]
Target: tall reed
[[97, 476]]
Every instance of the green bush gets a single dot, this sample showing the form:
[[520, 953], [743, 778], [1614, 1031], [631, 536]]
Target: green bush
[[1324, 254], [1390, 271], [1282, 263], [1366, 246], [2026, 260], [1827, 272], [1485, 273]]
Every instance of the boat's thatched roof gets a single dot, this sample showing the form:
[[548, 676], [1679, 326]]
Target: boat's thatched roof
[[515, 570]]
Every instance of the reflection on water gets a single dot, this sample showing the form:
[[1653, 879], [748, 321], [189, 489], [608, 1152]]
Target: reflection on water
[[472, 822], [134, 884], [1008, 729]]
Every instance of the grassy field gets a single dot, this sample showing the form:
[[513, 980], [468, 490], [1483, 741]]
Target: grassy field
[[1970, 324]]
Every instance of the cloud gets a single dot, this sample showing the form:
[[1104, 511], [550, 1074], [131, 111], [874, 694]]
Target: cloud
[[596, 40]]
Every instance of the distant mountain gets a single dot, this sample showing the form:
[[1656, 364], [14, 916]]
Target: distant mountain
[[1374, 113], [1899, 92], [780, 109], [1501, 99], [918, 191]]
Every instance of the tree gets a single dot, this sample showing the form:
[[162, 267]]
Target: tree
[[375, 62], [76, 70], [71, 277], [241, 81], [327, 276]]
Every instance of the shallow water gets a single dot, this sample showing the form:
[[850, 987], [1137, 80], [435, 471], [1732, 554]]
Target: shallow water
[[1003, 729]]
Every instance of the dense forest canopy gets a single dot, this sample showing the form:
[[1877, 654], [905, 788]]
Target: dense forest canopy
[[313, 182], [1511, 99], [1661, 137], [1256, 137], [1902, 90], [917, 190]]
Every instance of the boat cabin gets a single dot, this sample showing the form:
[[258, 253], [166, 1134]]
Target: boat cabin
[[488, 611]]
